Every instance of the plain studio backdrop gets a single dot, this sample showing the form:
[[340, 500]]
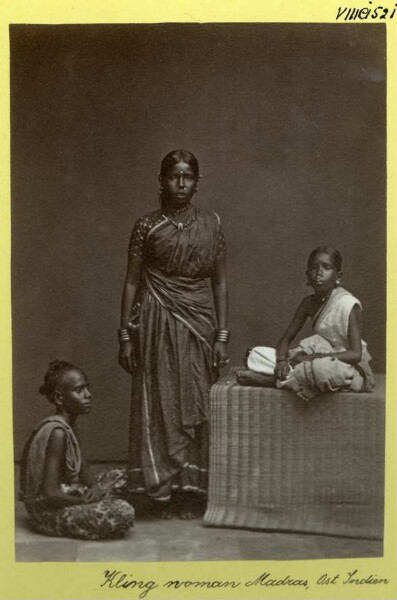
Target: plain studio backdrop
[[288, 125]]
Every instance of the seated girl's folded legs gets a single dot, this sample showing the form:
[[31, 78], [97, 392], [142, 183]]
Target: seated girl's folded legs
[[102, 520], [107, 519]]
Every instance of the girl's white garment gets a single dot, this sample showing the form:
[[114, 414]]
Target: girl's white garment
[[308, 378]]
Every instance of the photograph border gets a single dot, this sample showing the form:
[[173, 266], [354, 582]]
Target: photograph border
[[84, 580]]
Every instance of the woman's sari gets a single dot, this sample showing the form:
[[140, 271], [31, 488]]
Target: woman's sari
[[170, 389]]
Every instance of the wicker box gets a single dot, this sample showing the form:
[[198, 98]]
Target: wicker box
[[279, 463]]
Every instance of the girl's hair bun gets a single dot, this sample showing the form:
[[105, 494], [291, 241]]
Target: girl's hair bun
[[55, 370], [57, 364]]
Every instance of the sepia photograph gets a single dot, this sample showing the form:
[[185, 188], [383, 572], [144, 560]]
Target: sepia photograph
[[198, 310], [198, 263]]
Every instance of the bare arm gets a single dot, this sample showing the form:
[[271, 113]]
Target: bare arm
[[352, 355], [53, 469], [127, 357], [221, 301], [219, 289], [131, 283], [94, 492], [291, 332], [85, 475]]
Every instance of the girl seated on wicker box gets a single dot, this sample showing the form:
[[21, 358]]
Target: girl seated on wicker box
[[335, 357]]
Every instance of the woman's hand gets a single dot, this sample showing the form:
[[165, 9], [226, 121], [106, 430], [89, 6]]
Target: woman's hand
[[127, 357], [221, 355], [93, 494], [281, 370]]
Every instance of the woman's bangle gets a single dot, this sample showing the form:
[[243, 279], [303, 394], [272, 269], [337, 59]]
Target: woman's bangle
[[281, 359], [222, 335], [123, 335]]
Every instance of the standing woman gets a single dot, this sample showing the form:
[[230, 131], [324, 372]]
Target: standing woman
[[173, 338]]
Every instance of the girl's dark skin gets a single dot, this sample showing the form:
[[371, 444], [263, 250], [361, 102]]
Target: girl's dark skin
[[71, 397], [323, 276]]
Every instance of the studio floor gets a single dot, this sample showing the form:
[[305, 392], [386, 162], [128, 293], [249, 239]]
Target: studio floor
[[153, 540]]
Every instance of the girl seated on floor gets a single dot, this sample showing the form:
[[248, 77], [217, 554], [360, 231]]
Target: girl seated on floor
[[335, 357], [61, 496]]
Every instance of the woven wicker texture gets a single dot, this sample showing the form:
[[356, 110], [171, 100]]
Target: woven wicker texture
[[279, 463]]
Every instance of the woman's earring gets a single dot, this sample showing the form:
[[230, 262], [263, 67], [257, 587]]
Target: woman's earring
[[337, 282]]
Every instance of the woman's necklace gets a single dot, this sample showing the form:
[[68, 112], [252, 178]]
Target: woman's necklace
[[181, 225], [323, 299], [326, 297], [180, 211]]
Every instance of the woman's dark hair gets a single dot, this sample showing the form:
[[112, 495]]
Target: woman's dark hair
[[333, 253], [56, 369], [169, 161]]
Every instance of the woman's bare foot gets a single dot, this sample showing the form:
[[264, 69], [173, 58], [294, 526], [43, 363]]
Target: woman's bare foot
[[246, 377]]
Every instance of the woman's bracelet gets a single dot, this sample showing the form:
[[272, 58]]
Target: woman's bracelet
[[123, 335], [281, 359], [222, 335]]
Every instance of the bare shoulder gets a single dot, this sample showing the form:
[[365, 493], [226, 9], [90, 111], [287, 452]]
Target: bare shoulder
[[356, 313], [308, 305], [57, 440], [357, 308]]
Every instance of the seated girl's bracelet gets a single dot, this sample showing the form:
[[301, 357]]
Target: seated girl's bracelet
[[123, 335], [281, 359], [222, 335]]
